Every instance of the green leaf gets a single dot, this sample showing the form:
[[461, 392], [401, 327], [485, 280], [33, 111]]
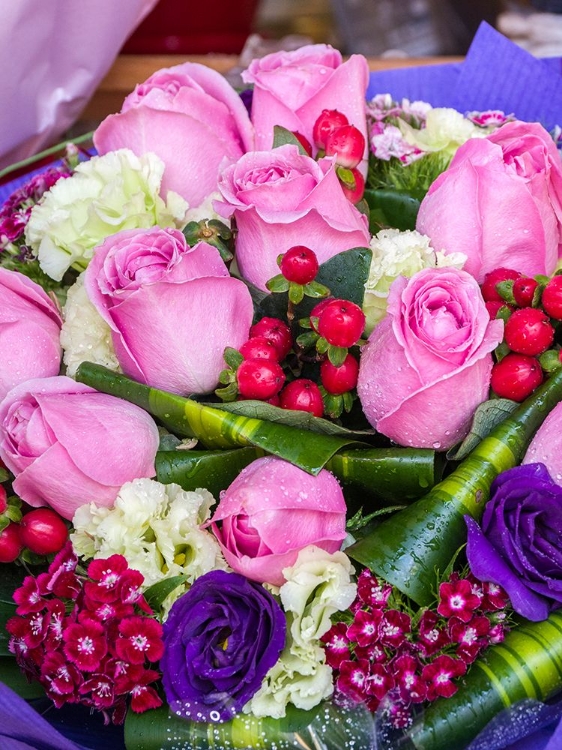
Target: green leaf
[[487, 416], [4, 476], [337, 355], [278, 284], [296, 293], [232, 357], [407, 548], [315, 290], [156, 593], [216, 428], [528, 664], [14, 678], [282, 136], [292, 418], [213, 470], [392, 208]]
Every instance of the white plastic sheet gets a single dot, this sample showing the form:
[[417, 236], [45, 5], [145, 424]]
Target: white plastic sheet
[[53, 54]]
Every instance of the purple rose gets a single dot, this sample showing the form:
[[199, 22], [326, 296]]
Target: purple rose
[[220, 640], [518, 545]]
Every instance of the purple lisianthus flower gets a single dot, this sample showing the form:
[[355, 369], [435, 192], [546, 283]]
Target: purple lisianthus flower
[[220, 640], [519, 545]]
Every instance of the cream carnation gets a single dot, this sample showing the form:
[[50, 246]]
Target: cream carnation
[[104, 195], [396, 254], [156, 527], [317, 585], [445, 130], [85, 336]]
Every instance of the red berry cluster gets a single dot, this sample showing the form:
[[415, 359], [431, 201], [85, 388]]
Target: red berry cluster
[[88, 639], [531, 310], [335, 325], [385, 651], [333, 135]]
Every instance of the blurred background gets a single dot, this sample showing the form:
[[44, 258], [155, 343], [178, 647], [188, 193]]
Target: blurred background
[[371, 27]]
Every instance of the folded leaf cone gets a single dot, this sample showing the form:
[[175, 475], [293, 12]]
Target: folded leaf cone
[[408, 548]]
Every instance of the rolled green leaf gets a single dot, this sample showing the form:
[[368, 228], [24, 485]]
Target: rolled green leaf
[[214, 428], [410, 546], [213, 470], [528, 664], [372, 475], [392, 208]]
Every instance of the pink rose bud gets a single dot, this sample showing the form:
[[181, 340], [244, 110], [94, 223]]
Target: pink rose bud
[[29, 331], [329, 80], [427, 364], [172, 309], [499, 202], [281, 199], [272, 511], [188, 115], [68, 445]]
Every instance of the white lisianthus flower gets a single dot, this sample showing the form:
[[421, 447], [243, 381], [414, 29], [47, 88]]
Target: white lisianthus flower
[[156, 527], [85, 336], [104, 196], [445, 130], [317, 585], [397, 253]]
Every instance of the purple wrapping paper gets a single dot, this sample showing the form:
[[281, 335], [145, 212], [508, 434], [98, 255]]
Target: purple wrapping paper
[[496, 74]]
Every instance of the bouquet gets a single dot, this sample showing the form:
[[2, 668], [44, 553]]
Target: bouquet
[[279, 416]]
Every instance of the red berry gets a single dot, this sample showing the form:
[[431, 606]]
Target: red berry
[[259, 378], [355, 194], [347, 144], [528, 331], [488, 286], [494, 306], [305, 143], [327, 122], [3, 499], [338, 380], [317, 310], [524, 291], [341, 322], [299, 264], [259, 347], [552, 298], [10, 543], [516, 376], [43, 531], [302, 395], [277, 331]]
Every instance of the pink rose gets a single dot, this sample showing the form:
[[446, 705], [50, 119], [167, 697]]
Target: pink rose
[[68, 445], [29, 331], [172, 308], [191, 118], [546, 446], [499, 202], [271, 511], [280, 199], [427, 364], [292, 88]]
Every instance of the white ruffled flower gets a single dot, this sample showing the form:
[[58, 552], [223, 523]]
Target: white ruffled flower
[[317, 585], [104, 196], [156, 527], [445, 130], [397, 253], [85, 336], [205, 211]]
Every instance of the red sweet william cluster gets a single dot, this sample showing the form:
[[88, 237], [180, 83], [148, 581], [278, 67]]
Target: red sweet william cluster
[[386, 650], [532, 310], [90, 638]]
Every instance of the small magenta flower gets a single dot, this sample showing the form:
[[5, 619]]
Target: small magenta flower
[[456, 598], [365, 627], [408, 680], [61, 679], [371, 591], [380, 681], [394, 627], [85, 644], [431, 637], [336, 645], [141, 638], [352, 680], [471, 636], [28, 597], [439, 675]]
